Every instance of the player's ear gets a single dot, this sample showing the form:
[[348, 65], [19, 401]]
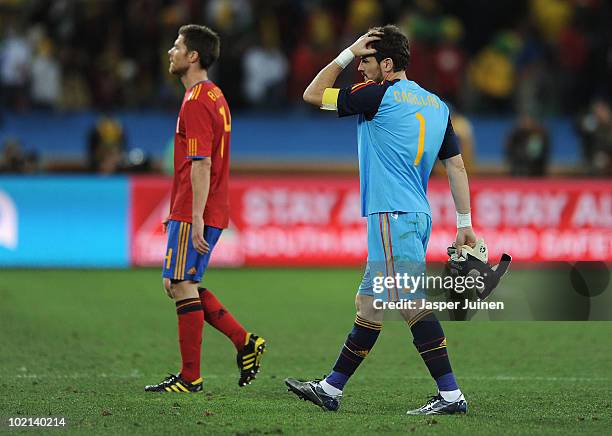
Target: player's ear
[[387, 65], [194, 56]]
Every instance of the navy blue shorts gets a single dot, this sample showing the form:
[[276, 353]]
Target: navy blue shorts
[[182, 261]]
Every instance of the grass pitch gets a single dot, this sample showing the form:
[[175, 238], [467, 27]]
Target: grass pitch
[[82, 344]]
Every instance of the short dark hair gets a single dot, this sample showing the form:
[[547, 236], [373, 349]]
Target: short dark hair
[[203, 40], [393, 44]]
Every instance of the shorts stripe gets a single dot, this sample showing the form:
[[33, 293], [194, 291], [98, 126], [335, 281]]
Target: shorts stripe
[[178, 252], [385, 228], [386, 252], [383, 235], [187, 239], [391, 259], [184, 247], [388, 259], [184, 250], [180, 262]]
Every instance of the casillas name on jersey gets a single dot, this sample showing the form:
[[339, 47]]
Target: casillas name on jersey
[[401, 130]]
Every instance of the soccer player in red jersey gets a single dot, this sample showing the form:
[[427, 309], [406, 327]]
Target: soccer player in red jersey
[[199, 211]]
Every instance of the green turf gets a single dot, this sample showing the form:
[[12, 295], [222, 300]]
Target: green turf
[[82, 344]]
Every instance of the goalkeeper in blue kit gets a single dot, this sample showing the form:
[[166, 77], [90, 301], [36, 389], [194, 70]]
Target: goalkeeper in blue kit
[[401, 130]]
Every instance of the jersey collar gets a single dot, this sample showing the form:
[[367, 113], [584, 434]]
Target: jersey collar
[[197, 83]]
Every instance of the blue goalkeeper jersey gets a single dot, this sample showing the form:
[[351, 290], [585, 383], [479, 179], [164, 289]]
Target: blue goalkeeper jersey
[[402, 129]]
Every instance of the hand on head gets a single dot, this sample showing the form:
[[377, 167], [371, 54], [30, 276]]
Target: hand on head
[[362, 47]]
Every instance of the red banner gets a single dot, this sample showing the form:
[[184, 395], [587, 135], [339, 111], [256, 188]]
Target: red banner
[[315, 221]]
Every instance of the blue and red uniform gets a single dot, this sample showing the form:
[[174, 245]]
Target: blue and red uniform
[[203, 130]]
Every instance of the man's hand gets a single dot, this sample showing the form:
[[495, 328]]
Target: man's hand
[[465, 236], [360, 47], [197, 235], [165, 225]]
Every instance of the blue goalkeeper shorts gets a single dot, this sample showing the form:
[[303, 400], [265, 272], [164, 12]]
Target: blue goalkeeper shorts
[[182, 261], [397, 242]]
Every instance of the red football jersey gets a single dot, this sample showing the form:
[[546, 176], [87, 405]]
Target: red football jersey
[[202, 130]]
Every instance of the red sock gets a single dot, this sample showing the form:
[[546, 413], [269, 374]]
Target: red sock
[[220, 318], [190, 325]]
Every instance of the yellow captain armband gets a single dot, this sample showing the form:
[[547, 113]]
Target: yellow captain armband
[[330, 99]]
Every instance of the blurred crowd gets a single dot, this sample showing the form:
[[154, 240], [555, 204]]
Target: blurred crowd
[[523, 58]]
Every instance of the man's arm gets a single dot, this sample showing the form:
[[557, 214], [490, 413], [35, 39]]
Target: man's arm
[[458, 181], [325, 79], [200, 185], [328, 75]]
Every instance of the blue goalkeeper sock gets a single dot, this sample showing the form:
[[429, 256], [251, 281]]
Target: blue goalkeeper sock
[[430, 342], [447, 382], [337, 379], [357, 346]]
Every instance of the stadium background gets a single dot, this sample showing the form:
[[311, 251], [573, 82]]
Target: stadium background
[[86, 119]]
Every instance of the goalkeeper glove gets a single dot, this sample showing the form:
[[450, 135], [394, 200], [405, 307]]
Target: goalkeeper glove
[[474, 262]]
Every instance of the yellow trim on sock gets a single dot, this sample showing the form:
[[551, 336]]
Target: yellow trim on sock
[[368, 324], [433, 349], [419, 316]]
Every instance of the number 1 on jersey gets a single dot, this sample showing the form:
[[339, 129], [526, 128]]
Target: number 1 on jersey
[[421, 145], [227, 126], [227, 122]]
